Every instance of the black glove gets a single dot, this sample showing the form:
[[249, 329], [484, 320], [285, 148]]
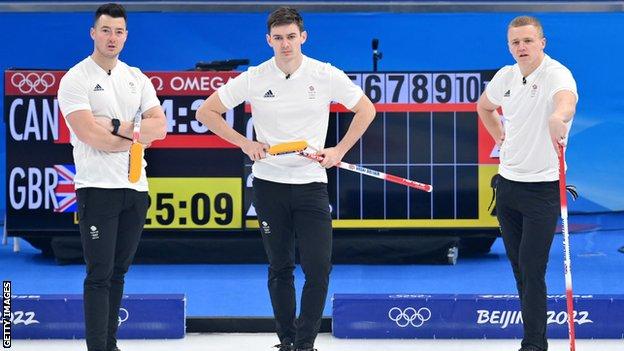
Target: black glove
[[572, 190]]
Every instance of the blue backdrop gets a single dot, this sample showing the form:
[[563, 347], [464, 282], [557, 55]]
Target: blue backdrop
[[590, 44]]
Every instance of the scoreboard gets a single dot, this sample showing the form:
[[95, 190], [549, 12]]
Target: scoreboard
[[426, 129]]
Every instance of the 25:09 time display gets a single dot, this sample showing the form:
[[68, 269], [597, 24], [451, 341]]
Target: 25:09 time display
[[194, 203], [200, 209]]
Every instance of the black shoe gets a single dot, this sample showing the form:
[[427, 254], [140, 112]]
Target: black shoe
[[530, 348], [284, 347], [115, 349], [307, 349]]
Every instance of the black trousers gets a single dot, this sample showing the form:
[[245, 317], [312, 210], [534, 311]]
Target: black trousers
[[528, 214], [111, 222], [286, 211]]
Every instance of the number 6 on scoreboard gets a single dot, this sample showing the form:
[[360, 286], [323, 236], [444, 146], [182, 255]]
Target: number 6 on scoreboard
[[135, 161]]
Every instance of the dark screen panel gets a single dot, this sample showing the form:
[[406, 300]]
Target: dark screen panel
[[443, 192], [396, 137], [467, 192], [443, 137], [419, 137], [467, 137]]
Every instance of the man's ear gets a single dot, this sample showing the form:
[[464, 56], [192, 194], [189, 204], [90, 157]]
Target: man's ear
[[304, 36], [268, 39]]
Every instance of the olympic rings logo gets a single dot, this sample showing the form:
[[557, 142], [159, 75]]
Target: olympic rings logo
[[122, 312], [408, 316], [33, 82]]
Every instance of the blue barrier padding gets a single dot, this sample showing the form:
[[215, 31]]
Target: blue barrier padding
[[153, 316], [407, 316]]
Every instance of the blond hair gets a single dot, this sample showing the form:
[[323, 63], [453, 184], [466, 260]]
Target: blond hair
[[522, 21]]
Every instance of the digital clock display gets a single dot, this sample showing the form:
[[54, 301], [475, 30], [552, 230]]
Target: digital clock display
[[193, 203]]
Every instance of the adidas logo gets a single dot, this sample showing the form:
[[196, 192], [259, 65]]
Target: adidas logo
[[507, 93], [269, 94], [98, 88]]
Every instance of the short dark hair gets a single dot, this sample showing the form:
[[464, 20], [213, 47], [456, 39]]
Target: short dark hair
[[110, 9], [284, 16]]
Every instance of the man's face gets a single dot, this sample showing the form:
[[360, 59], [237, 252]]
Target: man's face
[[286, 41], [525, 44], [109, 35]]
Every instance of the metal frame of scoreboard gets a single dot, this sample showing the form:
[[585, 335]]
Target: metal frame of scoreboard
[[426, 129]]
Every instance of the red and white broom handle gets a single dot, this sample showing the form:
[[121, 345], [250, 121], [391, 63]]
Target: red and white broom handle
[[567, 266], [373, 173]]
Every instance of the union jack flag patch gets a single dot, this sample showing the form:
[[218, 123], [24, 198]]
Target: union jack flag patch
[[65, 192]]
